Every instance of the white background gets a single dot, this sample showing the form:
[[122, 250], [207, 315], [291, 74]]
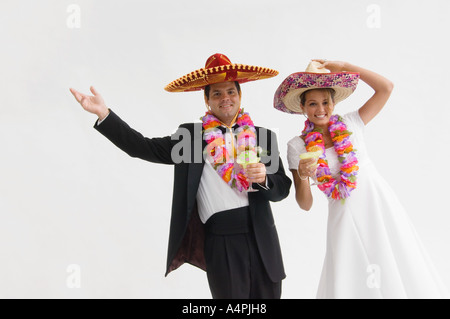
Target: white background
[[70, 197]]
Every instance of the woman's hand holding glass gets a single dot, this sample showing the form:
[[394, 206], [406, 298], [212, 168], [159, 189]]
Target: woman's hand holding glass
[[307, 168]]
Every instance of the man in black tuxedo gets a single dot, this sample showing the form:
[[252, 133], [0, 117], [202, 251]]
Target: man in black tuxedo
[[216, 224]]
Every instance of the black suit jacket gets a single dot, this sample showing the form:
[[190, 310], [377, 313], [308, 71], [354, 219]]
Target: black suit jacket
[[184, 150]]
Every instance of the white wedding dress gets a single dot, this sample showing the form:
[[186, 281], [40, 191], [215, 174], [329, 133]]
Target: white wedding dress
[[373, 250]]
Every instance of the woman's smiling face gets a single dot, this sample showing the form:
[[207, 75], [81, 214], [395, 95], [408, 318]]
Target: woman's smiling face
[[318, 106]]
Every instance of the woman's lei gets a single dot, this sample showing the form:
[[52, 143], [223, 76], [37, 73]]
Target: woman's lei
[[224, 164], [346, 155]]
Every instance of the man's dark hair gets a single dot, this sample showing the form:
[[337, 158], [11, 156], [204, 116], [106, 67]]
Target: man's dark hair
[[208, 89]]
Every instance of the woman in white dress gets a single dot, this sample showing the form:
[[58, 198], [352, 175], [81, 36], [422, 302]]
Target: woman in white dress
[[372, 248]]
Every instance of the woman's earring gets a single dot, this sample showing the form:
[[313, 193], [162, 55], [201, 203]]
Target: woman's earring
[[305, 115]]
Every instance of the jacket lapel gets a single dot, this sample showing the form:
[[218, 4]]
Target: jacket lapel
[[195, 168]]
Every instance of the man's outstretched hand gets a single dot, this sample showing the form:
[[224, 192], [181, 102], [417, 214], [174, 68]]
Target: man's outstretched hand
[[92, 103]]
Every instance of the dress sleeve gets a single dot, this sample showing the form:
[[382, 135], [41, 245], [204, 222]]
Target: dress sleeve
[[354, 122], [295, 147]]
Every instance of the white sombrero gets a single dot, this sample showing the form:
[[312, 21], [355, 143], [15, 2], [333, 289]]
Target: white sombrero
[[287, 96]]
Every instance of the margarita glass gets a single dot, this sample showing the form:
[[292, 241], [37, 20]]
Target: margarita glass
[[314, 152], [248, 157]]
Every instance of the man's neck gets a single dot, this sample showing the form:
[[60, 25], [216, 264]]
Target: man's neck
[[230, 123]]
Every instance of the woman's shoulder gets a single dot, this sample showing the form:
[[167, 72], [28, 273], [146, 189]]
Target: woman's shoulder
[[354, 117], [354, 121], [296, 144], [295, 147], [296, 141]]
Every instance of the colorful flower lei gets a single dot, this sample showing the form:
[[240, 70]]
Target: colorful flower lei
[[224, 164], [346, 155]]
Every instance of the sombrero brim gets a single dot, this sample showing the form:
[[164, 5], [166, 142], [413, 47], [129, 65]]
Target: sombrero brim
[[287, 96], [198, 79]]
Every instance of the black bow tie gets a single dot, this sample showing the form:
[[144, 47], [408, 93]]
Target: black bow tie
[[224, 129]]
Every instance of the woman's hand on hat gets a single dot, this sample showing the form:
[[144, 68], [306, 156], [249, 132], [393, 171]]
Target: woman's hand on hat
[[333, 66], [92, 103]]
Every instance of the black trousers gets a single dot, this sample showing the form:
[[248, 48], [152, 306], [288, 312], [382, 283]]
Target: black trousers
[[233, 263]]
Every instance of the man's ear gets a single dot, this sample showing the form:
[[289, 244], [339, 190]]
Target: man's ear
[[206, 102]]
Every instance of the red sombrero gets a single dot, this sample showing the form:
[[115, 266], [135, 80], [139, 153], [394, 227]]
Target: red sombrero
[[218, 68]]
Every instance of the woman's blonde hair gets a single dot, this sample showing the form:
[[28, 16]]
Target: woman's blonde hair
[[331, 94]]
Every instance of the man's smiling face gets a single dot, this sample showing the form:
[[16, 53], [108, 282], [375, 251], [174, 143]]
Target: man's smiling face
[[224, 101]]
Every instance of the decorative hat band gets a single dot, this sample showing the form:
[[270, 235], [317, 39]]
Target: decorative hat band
[[218, 68]]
